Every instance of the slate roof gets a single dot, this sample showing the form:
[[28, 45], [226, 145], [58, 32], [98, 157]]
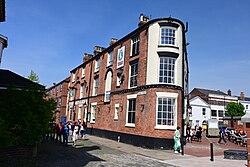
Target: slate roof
[[11, 79], [207, 91]]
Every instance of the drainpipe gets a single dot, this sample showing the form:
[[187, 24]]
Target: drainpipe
[[183, 86], [90, 79]]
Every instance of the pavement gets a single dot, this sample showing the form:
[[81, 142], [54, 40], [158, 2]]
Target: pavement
[[195, 153]]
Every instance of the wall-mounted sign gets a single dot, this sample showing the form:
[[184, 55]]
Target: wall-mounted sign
[[120, 57]]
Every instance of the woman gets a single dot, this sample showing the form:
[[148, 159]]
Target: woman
[[177, 141], [75, 134]]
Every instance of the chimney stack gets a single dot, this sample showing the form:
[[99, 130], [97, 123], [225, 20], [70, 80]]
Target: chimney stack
[[86, 57], [143, 19], [112, 41], [242, 96], [98, 49], [229, 92]]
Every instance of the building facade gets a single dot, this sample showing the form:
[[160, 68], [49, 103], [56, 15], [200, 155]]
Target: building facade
[[133, 91], [59, 92], [210, 104]]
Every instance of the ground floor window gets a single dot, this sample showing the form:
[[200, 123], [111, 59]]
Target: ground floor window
[[131, 110], [166, 112], [93, 113]]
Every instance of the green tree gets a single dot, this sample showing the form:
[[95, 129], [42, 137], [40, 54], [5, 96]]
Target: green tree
[[24, 117], [33, 77], [234, 109]]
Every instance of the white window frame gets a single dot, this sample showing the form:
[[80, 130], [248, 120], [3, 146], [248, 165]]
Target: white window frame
[[130, 75], [93, 112], [170, 62], [116, 111], [97, 65], [135, 42], [109, 60], [83, 72], [79, 112], [168, 37], [95, 87], [108, 83], [128, 98], [175, 110], [81, 91], [73, 77], [61, 87]]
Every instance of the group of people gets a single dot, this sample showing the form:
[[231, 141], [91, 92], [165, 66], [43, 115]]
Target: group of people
[[193, 134], [72, 131]]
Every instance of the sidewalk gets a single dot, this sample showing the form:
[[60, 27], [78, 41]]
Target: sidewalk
[[167, 156]]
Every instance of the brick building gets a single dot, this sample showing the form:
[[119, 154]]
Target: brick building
[[133, 90], [59, 92]]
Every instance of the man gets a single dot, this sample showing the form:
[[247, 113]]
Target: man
[[222, 135]]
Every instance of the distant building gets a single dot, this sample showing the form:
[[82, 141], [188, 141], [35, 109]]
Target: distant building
[[211, 104], [133, 90], [59, 93]]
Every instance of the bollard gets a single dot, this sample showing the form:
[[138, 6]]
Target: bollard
[[182, 146], [211, 152]]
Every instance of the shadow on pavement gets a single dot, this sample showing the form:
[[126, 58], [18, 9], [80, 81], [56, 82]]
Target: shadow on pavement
[[52, 154]]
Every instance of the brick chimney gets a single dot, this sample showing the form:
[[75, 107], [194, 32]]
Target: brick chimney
[[112, 41], [98, 49], [229, 92], [143, 19], [86, 57], [242, 96]]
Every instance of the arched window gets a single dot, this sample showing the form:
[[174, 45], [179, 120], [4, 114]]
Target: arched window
[[108, 86]]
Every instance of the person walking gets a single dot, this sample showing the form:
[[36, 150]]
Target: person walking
[[222, 136], [59, 128], [75, 134], [177, 141], [65, 134]]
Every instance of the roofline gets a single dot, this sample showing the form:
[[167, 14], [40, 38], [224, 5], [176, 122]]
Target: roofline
[[141, 28], [65, 80]]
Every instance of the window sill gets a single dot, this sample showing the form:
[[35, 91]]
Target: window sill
[[130, 125], [116, 119], [168, 46], [83, 77], [134, 55], [110, 65], [165, 127], [92, 122]]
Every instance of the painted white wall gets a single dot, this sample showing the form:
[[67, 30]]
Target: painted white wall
[[197, 105], [153, 58]]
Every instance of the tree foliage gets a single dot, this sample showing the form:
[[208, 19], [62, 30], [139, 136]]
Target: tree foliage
[[24, 116], [33, 77], [235, 109]]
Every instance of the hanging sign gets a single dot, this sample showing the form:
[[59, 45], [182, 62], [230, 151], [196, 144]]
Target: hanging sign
[[120, 57]]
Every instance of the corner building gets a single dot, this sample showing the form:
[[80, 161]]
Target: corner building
[[133, 91]]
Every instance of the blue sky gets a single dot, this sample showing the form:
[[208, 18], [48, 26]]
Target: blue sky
[[51, 36]]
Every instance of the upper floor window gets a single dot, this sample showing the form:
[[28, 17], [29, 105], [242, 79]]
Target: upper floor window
[[82, 91], [135, 45], [95, 90], [133, 74], [167, 36], [83, 71], [73, 77], [246, 106], [61, 87], [97, 65], [220, 113], [110, 58], [108, 86], [203, 111], [214, 113], [167, 70]]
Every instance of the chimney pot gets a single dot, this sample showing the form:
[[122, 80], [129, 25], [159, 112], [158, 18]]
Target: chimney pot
[[229, 92], [143, 19], [112, 41], [86, 57], [242, 96]]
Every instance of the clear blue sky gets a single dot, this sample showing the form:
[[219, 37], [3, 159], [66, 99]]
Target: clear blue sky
[[50, 36]]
